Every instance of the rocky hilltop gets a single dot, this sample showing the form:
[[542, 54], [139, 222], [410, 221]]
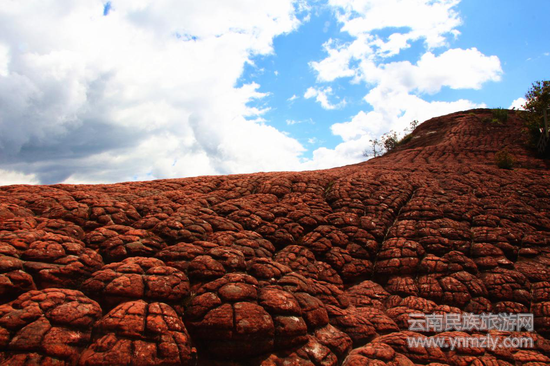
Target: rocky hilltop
[[311, 268]]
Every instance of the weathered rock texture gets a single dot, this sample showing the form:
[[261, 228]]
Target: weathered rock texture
[[311, 268]]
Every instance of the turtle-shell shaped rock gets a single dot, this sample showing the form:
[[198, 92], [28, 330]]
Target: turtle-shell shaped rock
[[250, 243], [137, 332], [504, 284], [53, 260], [61, 227], [182, 228], [376, 354], [18, 223], [137, 278], [180, 255], [368, 293], [348, 267], [353, 323], [312, 353], [303, 261], [399, 256], [323, 238], [456, 289], [13, 279], [117, 242], [232, 317], [398, 342], [104, 212], [202, 260], [12, 210], [51, 325], [266, 269], [328, 293], [216, 263], [382, 323]]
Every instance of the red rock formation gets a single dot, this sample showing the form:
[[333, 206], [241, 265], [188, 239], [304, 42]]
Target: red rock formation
[[313, 268]]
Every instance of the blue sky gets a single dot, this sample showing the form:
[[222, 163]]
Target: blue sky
[[96, 91], [513, 33]]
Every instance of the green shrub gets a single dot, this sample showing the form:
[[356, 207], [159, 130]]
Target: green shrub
[[405, 139], [329, 187], [389, 140], [504, 159], [500, 116], [537, 99]]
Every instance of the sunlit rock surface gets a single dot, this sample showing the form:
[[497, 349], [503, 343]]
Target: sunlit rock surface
[[309, 268]]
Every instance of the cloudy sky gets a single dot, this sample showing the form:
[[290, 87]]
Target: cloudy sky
[[98, 92]]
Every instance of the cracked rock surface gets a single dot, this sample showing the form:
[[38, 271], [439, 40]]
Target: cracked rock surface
[[298, 268]]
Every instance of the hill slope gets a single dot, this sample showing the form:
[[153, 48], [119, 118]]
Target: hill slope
[[311, 268]]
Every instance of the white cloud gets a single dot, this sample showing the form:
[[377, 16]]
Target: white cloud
[[336, 65], [395, 89], [454, 68], [457, 69], [291, 122], [372, 123], [311, 92], [518, 103], [144, 92], [4, 60], [321, 96], [8, 177], [421, 19], [293, 98], [411, 20], [345, 153]]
